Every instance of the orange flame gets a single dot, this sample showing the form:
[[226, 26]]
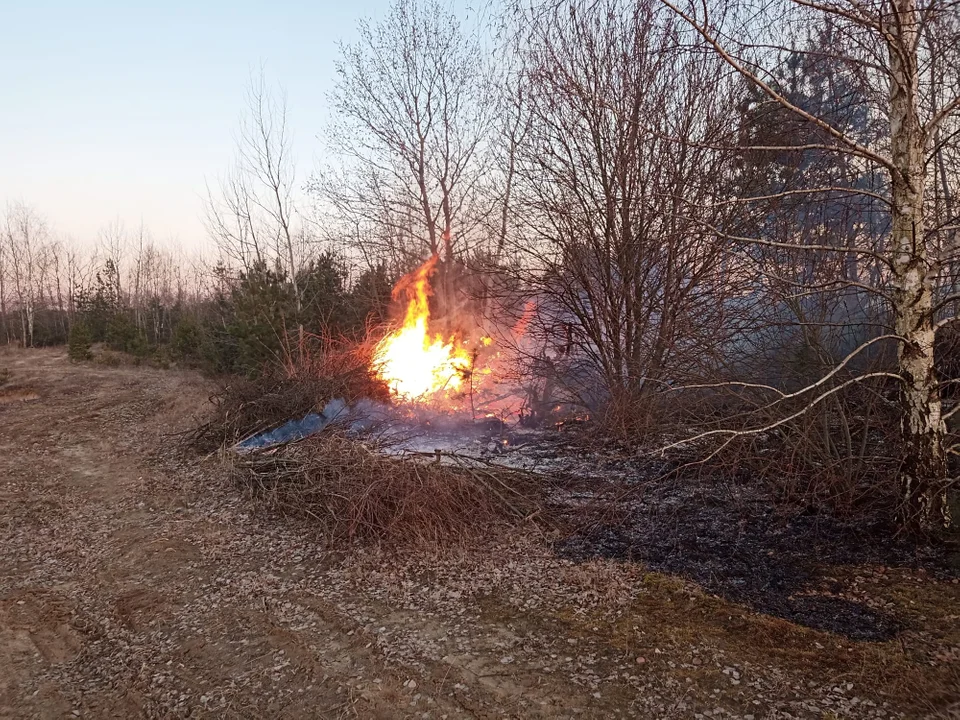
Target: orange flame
[[413, 365]]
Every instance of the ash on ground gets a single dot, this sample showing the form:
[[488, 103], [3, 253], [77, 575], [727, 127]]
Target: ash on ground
[[738, 542]]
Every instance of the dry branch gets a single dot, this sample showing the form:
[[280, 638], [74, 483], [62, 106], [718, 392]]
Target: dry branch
[[360, 494]]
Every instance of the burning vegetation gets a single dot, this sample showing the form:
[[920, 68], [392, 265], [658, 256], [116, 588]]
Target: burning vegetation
[[679, 287], [447, 364], [415, 362]]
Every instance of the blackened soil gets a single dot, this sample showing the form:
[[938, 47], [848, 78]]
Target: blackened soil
[[737, 543]]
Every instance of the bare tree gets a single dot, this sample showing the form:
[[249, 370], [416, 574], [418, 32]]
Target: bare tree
[[113, 245], [253, 217], [513, 114], [412, 118], [231, 220], [266, 158], [25, 235], [4, 269], [621, 277], [891, 47]]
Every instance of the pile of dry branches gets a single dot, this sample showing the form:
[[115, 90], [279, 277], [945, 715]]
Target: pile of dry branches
[[359, 494], [244, 407]]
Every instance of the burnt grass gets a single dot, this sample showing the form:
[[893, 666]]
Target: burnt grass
[[737, 541]]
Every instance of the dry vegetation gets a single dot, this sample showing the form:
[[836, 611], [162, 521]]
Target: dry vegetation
[[356, 493], [629, 198], [136, 582], [245, 406], [699, 228]]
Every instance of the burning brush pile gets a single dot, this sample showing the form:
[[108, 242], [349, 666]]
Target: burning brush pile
[[324, 444], [445, 372]]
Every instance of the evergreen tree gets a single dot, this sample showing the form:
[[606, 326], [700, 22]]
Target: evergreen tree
[[79, 342]]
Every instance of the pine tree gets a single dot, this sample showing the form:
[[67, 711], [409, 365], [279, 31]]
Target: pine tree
[[79, 342]]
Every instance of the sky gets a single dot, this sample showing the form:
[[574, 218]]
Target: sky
[[122, 111]]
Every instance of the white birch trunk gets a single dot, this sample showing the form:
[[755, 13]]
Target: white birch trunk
[[923, 475]]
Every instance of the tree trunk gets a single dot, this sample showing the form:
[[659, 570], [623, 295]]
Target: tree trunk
[[31, 315], [923, 475], [3, 309]]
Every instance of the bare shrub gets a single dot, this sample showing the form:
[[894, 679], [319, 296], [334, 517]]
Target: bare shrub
[[111, 358], [359, 494], [835, 454]]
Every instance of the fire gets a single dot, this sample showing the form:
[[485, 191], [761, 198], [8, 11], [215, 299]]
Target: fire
[[415, 365]]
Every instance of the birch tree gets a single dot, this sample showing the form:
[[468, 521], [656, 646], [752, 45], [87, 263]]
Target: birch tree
[[894, 48], [25, 235]]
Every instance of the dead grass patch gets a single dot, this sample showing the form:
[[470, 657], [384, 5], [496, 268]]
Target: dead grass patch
[[14, 392], [17, 395]]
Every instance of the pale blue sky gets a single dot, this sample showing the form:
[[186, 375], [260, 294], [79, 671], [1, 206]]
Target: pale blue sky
[[122, 109]]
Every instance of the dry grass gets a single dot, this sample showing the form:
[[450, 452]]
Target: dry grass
[[359, 494], [12, 391]]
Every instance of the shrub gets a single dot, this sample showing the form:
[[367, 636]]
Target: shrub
[[836, 455], [162, 356], [101, 301], [123, 335], [187, 339], [256, 315], [79, 342], [112, 358], [244, 405]]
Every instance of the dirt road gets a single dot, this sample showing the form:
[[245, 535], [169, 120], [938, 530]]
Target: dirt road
[[136, 583]]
